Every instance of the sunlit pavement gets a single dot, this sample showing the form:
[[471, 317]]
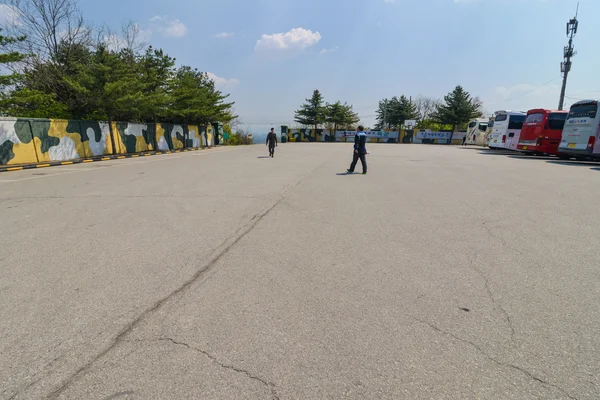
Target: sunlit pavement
[[445, 273]]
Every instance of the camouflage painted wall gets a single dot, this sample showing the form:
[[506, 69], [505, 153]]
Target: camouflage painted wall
[[25, 141]]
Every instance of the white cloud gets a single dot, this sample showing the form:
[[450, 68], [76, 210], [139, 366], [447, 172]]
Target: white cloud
[[224, 35], [326, 51], [9, 15], [295, 39], [223, 83], [169, 26]]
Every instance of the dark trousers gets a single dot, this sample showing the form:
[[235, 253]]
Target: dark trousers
[[272, 150], [362, 156]]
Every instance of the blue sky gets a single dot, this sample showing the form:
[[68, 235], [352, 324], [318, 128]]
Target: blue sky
[[271, 54]]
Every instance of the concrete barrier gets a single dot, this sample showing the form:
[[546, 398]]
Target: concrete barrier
[[29, 140]]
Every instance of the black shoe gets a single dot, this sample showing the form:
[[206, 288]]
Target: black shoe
[[364, 173], [350, 172]]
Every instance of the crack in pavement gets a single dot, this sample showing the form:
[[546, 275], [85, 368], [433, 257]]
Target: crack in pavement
[[270, 385], [495, 360], [491, 296], [485, 224], [225, 247]]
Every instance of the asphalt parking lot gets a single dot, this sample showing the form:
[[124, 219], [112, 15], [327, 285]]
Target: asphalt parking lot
[[445, 273]]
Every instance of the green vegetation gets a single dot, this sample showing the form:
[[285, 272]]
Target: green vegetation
[[71, 75], [332, 116], [458, 109], [455, 112], [392, 113]]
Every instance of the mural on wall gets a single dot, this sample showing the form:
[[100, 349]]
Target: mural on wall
[[24, 141], [16, 142]]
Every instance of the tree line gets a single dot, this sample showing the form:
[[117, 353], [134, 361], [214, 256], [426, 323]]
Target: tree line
[[453, 112], [62, 68], [315, 112]]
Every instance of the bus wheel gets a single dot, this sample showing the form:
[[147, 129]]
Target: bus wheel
[[563, 157], [580, 158]]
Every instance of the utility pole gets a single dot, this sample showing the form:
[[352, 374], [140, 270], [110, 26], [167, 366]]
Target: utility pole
[[569, 52]]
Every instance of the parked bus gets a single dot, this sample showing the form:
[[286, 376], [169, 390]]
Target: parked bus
[[507, 129], [580, 135], [488, 134], [476, 131], [542, 131]]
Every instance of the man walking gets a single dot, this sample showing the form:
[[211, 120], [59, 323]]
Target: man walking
[[360, 151], [272, 142]]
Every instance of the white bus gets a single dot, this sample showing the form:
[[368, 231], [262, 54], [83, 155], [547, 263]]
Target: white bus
[[580, 134], [488, 134], [476, 131], [507, 129]]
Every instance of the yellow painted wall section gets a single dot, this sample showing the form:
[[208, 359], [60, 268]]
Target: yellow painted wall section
[[159, 133], [177, 144], [70, 145], [24, 153], [195, 135], [140, 144], [119, 145], [209, 134]]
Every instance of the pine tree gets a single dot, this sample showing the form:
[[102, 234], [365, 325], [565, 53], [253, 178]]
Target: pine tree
[[7, 58], [311, 113], [339, 114], [458, 108]]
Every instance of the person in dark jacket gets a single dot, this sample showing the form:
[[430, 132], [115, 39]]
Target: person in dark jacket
[[360, 151], [272, 142]]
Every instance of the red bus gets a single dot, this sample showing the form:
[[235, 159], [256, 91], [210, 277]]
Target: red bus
[[542, 132]]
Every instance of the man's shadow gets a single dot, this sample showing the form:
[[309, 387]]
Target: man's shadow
[[263, 157]]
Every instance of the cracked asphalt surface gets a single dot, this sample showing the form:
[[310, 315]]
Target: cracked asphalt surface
[[446, 273]]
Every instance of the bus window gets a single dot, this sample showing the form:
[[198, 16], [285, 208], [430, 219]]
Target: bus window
[[584, 110], [556, 121], [472, 124], [512, 134], [534, 118], [491, 124], [516, 122], [501, 117], [483, 127]]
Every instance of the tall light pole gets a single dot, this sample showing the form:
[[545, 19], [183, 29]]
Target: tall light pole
[[569, 52]]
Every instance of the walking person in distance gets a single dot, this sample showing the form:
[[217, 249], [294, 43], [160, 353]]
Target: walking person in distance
[[360, 151], [272, 142]]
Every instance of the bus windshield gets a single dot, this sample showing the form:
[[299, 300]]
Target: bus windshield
[[516, 122], [472, 124], [501, 117], [534, 118], [584, 110], [556, 121], [483, 127]]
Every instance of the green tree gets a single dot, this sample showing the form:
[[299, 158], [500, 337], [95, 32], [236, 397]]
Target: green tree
[[383, 111], [7, 58], [457, 109], [340, 115], [193, 98], [392, 113], [402, 109], [312, 112]]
